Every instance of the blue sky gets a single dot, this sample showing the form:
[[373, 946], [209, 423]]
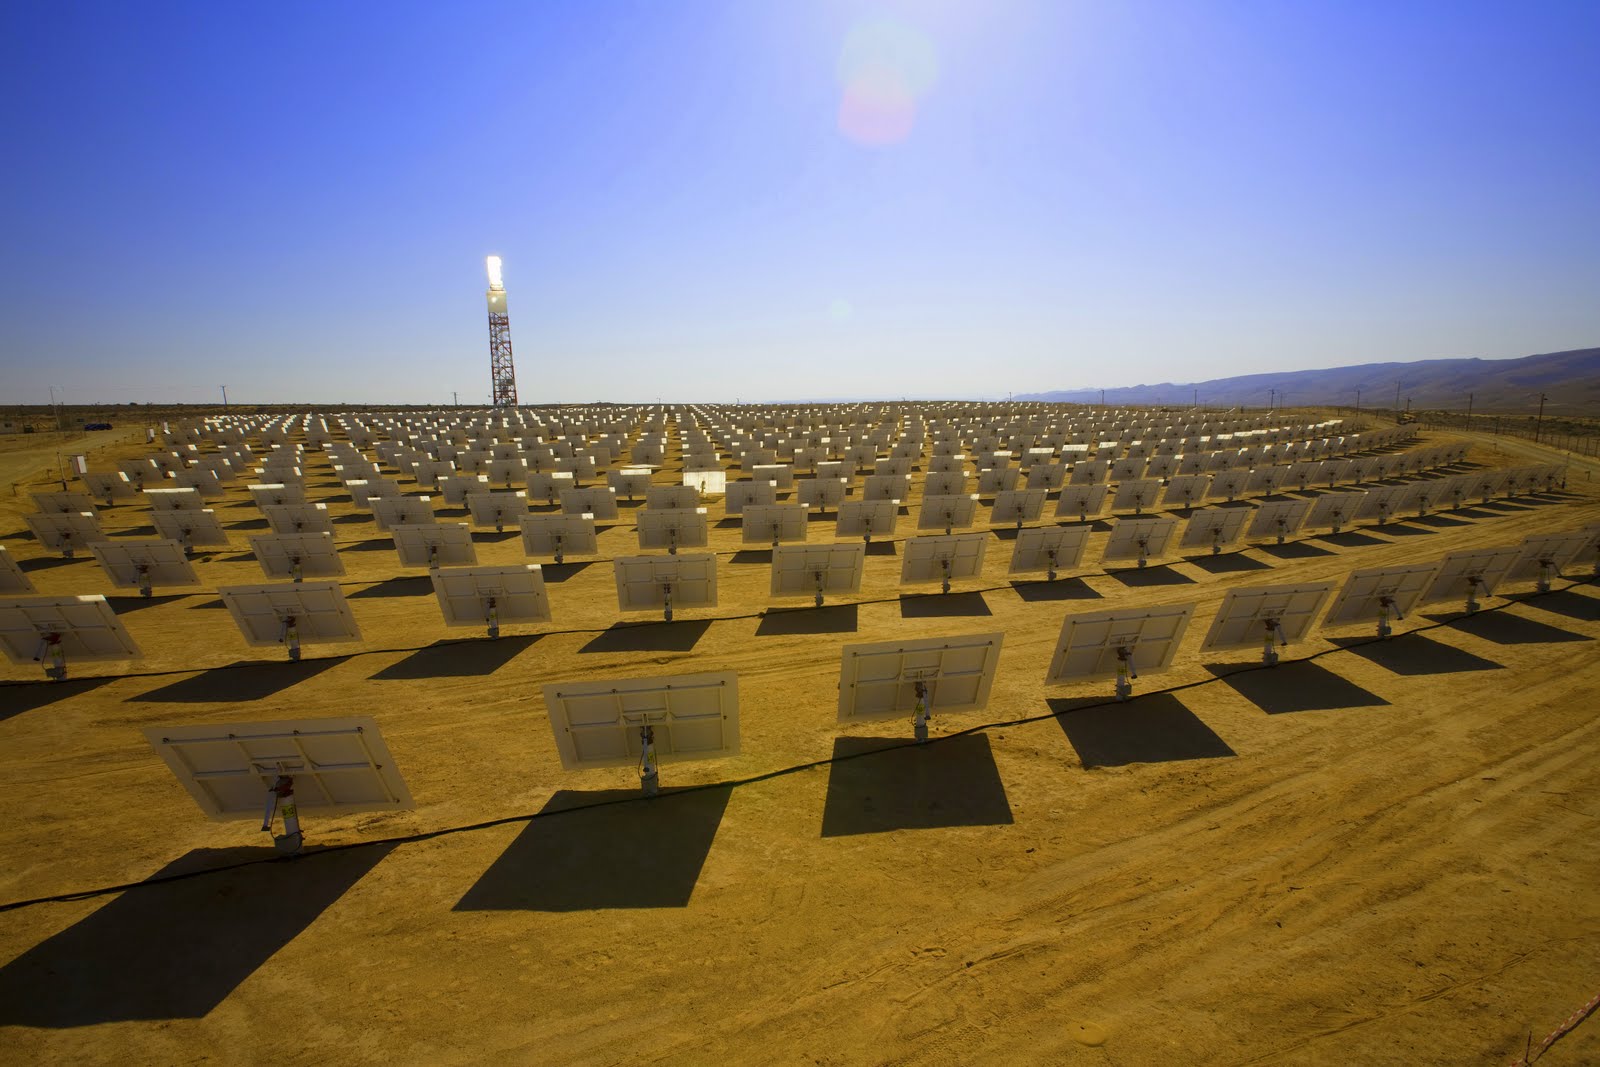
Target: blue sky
[[765, 201]]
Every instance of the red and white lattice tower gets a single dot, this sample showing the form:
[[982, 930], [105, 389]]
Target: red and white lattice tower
[[501, 373]]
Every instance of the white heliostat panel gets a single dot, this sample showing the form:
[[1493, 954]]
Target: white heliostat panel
[[1277, 613], [996, 480], [942, 557], [558, 534], [807, 570], [763, 524], [317, 612], [1017, 506], [364, 491], [190, 528], [821, 493], [1266, 479], [297, 556], [1228, 484], [1369, 592], [13, 579], [548, 486], [435, 544], [109, 486], [879, 680], [1543, 555], [740, 495], [1469, 573], [144, 563], [671, 497], [1081, 502], [1335, 510], [673, 528], [498, 508], [1088, 644], [277, 493], [867, 518], [298, 518], [598, 724], [1382, 502], [1047, 476], [1214, 527], [476, 596], [84, 628], [597, 500], [337, 765], [64, 533], [947, 512], [1049, 548], [1136, 495], [1088, 472], [1140, 539], [644, 583], [391, 511], [886, 487], [1186, 490], [631, 483], [1279, 518], [63, 501], [707, 483], [174, 499]]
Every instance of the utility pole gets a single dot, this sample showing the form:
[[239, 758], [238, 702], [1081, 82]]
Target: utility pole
[[60, 463], [1272, 399], [1538, 419], [1397, 399], [224, 389], [455, 399], [1358, 401], [1469, 411]]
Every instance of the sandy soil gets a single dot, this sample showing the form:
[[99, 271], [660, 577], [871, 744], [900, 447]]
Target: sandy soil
[[1376, 853]]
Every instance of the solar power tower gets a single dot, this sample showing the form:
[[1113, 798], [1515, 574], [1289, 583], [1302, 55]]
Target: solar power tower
[[502, 374]]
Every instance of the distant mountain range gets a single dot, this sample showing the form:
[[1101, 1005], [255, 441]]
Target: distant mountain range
[[1570, 380]]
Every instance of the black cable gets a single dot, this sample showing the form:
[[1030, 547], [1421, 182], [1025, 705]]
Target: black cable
[[781, 772]]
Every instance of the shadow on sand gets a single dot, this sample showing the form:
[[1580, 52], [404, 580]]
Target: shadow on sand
[[463, 658], [1299, 686], [1147, 729], [176, 950], [880, 784], [606, 849], [245, 680]]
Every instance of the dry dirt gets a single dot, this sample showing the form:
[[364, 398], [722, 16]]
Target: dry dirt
[[1380, 853]]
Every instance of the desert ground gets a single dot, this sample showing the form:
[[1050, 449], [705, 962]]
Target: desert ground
[[1375, 852]]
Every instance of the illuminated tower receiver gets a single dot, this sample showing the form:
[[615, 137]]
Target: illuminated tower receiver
[[501, 372]]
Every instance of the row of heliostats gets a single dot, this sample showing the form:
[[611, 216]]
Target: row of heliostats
[[53, 631]]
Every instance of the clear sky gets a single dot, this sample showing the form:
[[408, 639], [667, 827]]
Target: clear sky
[[783, 199]]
